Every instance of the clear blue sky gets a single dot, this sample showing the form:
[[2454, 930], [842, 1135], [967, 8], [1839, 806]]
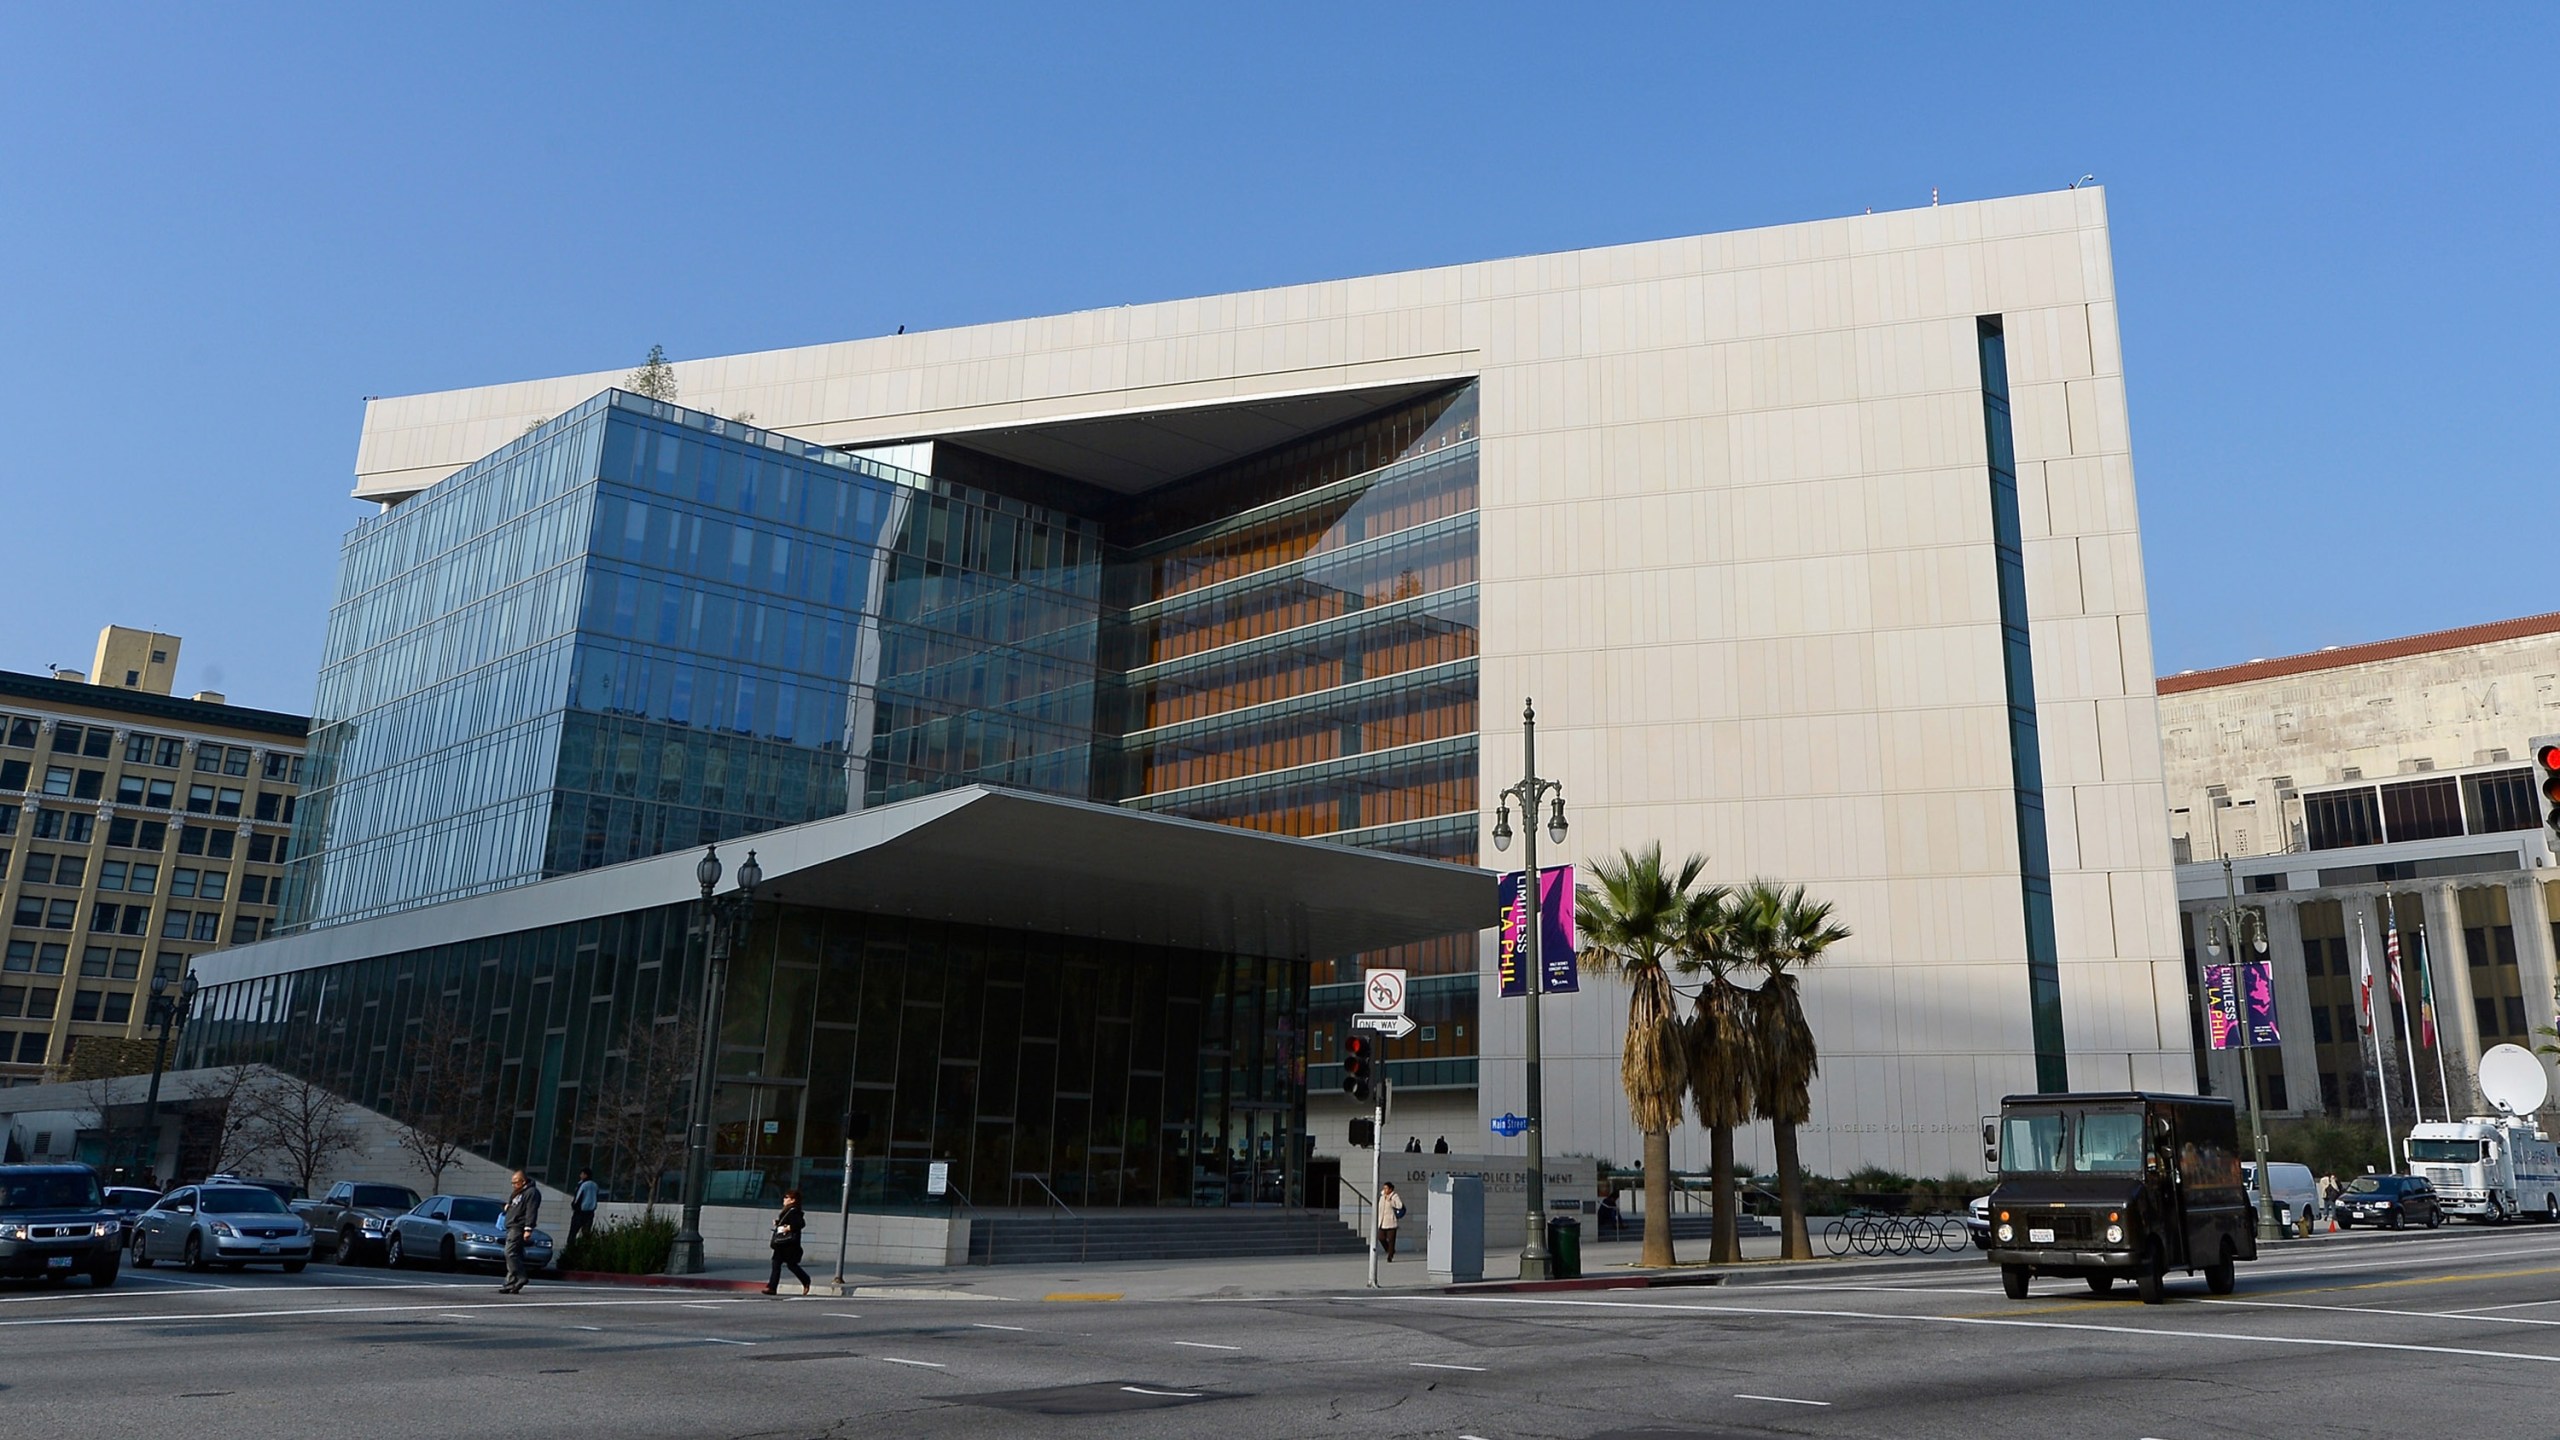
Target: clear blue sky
[[2335, 233]]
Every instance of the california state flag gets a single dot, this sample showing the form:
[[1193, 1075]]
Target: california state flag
[[2364, 985]]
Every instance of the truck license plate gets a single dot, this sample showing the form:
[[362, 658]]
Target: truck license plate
[[2039, 1237], [57, 1262]]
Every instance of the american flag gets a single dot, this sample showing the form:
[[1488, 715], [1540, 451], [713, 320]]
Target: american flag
[[2391, 956]]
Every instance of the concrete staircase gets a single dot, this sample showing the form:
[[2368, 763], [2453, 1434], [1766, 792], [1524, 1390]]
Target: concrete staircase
[[998, 1237]]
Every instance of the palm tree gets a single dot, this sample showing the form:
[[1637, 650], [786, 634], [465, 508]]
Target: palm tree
[[1780, 932], [1632, 923], [1720, 1062]]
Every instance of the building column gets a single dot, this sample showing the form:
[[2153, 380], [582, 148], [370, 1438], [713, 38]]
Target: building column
[[2300, 1052], [2449, 962], [2529, 910]]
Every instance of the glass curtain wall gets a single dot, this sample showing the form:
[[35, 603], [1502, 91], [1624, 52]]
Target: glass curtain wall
[[1291, 646], [1108, 1074], [647, 628]]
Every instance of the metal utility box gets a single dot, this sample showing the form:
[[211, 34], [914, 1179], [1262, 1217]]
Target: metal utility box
[[1455, 1245]]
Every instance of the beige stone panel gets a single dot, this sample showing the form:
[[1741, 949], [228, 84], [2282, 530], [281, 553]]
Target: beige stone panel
[[2083, 915], [2106, 347], [2068, 745], [2109, 835], [2035, 515], [1941, 585], [1947, 665], [1927, 507], [2076, 657], [2086, 437], [2054, 579], [2133, 634], [2111, 574], [2047, 345], [2039, 420], [2128, 738], [1951, 832]]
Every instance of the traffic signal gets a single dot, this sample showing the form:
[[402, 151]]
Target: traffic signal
[[2546, 764], [1364, 1133], [1360, 1066]]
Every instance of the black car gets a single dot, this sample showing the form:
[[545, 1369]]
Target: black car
[[54, 1224], [2392, 1200]]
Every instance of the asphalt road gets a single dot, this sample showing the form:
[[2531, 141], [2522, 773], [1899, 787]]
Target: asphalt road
[[2401, 1335]]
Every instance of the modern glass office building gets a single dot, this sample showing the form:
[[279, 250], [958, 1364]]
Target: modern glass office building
[[1816, 546]]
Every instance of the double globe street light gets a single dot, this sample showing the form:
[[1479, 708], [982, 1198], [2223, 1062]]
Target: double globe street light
[[2242, 928], [717, 921], [1531, 792]]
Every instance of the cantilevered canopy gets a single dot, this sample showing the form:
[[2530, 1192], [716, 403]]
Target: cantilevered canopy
[[987, 857]]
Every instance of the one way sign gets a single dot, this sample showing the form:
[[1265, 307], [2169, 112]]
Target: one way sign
[[1394, 1026]]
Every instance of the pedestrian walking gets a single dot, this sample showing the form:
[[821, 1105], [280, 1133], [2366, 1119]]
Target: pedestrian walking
[[1440, 1146], [1390, 1215], [582, 1207], [523, 1210], [1413, 1145], [786, 1242]]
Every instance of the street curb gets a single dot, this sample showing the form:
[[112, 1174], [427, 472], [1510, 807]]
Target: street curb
[[666, 1282], [1588, 1282]]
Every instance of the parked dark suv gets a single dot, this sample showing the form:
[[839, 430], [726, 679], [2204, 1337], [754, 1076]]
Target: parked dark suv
[[2393, 1200], [55, 1223]]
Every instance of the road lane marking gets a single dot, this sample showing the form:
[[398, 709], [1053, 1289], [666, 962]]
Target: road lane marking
[[1084, 1295], [842, 1315], [1435, 1365], [928, 1364], [1205, 1345], [716, 1340], [1167, 1394], [2379, 1310], [1785, 1400], [219, 1315], [596, 1328], [990, 1325], [2304, 1341]]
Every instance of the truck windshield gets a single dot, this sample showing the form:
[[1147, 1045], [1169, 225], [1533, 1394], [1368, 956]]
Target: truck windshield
[[2031, 1142], [2445, 1152], [2108, 1141], [395, 1197]]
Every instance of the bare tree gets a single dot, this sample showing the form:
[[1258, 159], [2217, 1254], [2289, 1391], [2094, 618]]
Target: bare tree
[[640, 1114], [304, 1125], [227, 1098], [442, 1102]]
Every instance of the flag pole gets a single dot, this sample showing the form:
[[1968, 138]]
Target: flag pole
[[2408, 1044], [2364, 964], [2435, 1032]]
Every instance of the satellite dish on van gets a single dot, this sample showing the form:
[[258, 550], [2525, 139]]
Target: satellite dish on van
[[2512, 1080]]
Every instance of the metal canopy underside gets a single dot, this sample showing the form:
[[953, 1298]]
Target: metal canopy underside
[[1133, 454], [983, 856]]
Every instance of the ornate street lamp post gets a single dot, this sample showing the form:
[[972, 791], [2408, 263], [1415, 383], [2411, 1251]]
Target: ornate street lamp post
[[1531, 792], [2237, 927], [718, 922], [165, 1012]]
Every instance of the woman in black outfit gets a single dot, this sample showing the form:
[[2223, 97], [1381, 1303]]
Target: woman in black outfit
[[786, 1242]]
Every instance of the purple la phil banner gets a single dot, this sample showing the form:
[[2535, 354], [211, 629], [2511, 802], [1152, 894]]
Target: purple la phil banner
[[1555, 938], [2222, 1004]]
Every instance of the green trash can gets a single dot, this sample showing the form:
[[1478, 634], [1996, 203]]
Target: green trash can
[[1564, 1248]]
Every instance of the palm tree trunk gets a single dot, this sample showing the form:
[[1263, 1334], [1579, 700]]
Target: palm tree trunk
[[1793, 1243], [1657, 1199], [1727, 1247]]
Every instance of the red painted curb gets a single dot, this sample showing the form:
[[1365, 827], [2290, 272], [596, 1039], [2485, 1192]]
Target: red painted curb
[[671, 1282]]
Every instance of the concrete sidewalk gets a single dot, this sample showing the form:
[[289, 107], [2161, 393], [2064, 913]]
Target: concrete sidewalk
[[1271, 1277]]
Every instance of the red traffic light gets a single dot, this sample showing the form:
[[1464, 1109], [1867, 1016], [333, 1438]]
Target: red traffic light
[[2548, 757], [1359, 1065]]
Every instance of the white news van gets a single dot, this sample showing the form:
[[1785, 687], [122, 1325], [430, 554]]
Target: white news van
[[2488, 1169]]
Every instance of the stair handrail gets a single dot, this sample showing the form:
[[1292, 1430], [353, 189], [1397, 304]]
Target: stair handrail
[[1035, 1178]]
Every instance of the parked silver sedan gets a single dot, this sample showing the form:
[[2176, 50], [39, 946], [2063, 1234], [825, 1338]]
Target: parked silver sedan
[[451, 1230], [234, 1225]]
